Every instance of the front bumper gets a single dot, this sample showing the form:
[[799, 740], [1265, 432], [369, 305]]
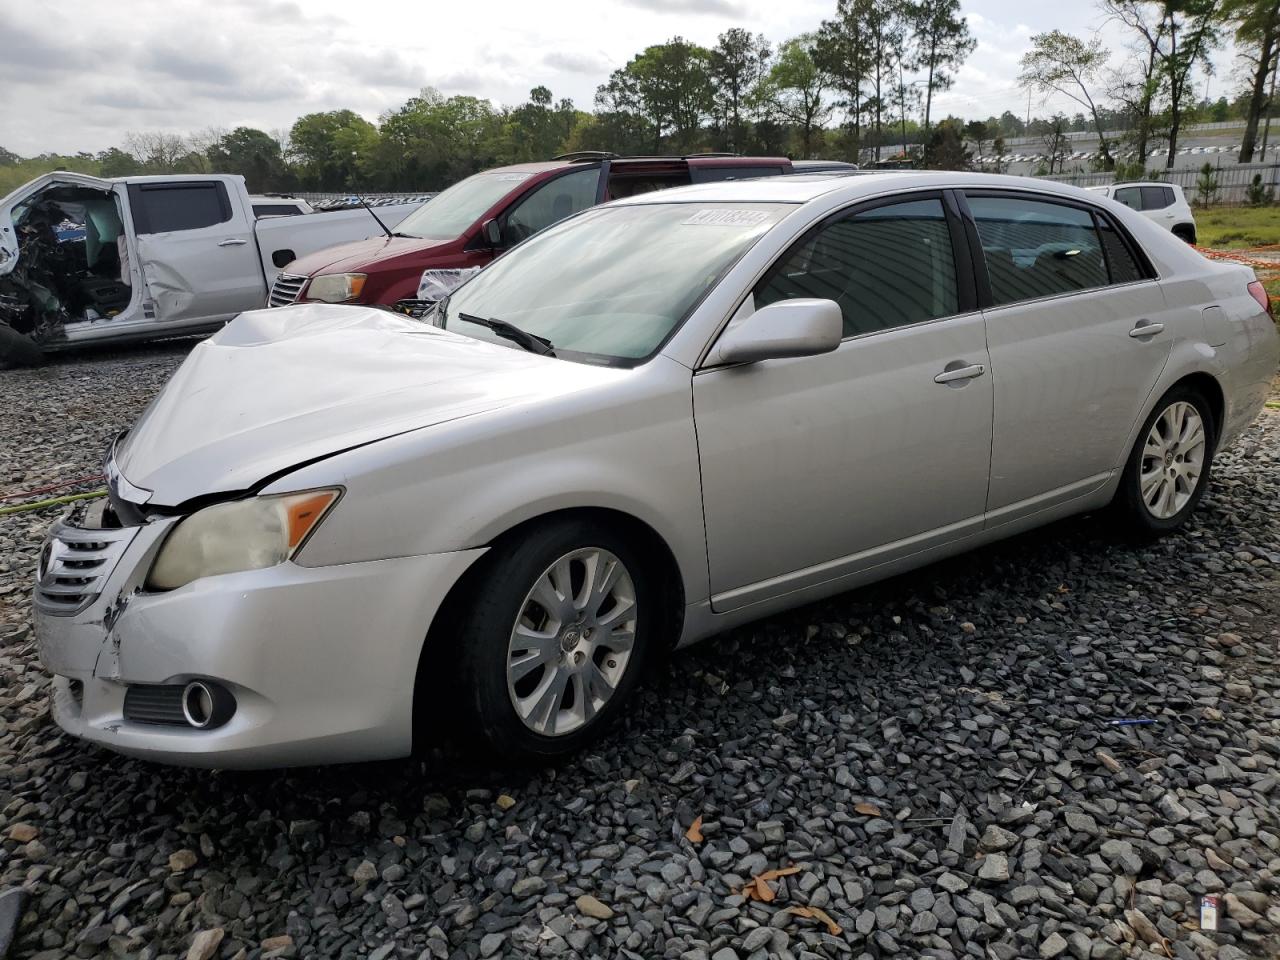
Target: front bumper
[[321, 660]]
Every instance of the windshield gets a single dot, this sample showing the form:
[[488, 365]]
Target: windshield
[[447, 214], [613, 282]]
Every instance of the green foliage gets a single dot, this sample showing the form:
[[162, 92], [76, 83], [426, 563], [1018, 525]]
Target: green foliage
[[796, 90], [1206, 186], [945, 149], [1258, 194], [254, 155]]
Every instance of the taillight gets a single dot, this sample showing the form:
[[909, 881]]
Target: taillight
[[1259, 293]]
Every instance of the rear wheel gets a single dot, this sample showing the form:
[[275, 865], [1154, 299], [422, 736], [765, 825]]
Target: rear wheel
[[553, 642], [1168, 468]]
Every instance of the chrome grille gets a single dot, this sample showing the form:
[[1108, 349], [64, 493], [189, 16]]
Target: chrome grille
[[75, 563], [286, 289]]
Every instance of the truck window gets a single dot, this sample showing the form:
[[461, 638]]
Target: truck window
[[275, 210], [162, 207]]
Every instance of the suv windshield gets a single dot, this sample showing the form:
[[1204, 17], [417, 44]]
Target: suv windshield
[[611, 283], [450, 212]]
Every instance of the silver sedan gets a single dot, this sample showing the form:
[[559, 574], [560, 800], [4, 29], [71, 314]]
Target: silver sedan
[[338, 532]]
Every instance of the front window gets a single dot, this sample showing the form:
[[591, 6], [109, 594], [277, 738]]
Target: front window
[[611, 284], [448, 214]]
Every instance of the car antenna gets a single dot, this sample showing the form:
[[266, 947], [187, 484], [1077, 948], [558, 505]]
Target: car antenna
[[363, 202]]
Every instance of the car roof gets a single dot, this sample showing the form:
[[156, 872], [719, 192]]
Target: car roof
[[801, 188]]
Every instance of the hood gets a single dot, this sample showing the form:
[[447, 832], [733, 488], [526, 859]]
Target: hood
[[278, 388], [368, 256]]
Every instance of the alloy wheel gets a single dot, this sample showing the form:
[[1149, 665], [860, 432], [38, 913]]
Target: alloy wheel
[[572, 641], [1173, 458]]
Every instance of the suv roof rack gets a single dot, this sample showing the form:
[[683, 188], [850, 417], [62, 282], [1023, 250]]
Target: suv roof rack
[[578, 156]]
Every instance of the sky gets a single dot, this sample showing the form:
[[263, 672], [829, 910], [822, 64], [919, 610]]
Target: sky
[[79, 75]]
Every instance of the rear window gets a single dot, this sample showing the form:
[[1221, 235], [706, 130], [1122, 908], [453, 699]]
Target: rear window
[[1121, 264], [1156, 198], [165, 207], [1036, 249], [274, 210]]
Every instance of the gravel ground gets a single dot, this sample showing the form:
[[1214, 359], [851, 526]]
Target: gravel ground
[[936, 756]]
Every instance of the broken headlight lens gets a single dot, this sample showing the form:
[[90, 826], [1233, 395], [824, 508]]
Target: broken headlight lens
[[335, 287], [243, 535]]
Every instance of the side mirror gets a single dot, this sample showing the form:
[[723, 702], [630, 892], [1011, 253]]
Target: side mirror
[[788, 328], [492, 231]]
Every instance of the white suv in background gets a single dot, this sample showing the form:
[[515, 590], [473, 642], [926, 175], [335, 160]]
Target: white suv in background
[[1164, 203]]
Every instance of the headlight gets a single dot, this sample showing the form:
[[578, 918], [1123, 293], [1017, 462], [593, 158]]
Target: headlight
[[335, 287], [244, 535], [438, 284]]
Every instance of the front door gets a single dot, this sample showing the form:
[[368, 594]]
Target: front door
[[1072, 365], [816, 468], [196, 244]]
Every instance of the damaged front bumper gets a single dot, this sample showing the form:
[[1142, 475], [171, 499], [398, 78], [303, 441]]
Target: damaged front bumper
[[321, 661]]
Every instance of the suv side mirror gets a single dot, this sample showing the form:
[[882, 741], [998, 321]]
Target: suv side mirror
[[492, 231], [788, 328]]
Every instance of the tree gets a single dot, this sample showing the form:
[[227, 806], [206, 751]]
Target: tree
[[669, 85], [842, 51], [117, 163], [945, 150], [1206, 186], [797, 85], [1055, 139], [1257, 36], [1060, 63], [1178, 35], [253, 154], [8, 158], [941, 43], [158, 152], [736, 64], [328, 147], [976, 130]]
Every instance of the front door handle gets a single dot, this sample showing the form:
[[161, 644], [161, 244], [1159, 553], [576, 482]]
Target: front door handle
[[1145, 328], [233, 242], [953, 373]]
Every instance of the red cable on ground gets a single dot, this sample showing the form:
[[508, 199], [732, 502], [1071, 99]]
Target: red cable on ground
[[53, 486]]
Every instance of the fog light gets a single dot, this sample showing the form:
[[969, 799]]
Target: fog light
[[206, 705]]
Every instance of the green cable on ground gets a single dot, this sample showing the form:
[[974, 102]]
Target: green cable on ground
[[55, 502]]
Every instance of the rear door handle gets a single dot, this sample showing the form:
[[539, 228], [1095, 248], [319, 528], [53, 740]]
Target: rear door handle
[[233, 242], [1145, 328], [952, 374]]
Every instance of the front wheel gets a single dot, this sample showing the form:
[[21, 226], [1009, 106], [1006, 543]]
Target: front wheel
[[553, 640], [1168, 469]]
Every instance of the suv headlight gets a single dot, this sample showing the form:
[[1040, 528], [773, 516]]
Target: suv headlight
[[243, 535], [335, 287]]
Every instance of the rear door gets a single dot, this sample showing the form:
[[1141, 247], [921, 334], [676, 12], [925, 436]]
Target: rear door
[[197, 251], [1075, 329]]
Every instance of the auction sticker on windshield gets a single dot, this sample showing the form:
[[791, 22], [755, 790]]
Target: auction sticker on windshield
[[727, 218]]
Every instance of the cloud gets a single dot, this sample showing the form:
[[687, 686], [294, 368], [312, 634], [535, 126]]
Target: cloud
[[720, 8], [590, 64]]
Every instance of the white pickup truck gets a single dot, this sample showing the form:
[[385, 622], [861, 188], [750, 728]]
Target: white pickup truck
[[86, 259]]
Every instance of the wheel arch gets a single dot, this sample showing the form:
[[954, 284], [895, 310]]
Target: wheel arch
[[1208, 387], [429, 689], [1184, 231]]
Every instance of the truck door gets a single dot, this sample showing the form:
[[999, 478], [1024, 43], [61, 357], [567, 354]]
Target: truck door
[[197, 252]]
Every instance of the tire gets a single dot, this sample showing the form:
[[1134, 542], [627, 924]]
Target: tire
[[585, 650], [17, 349], [1186, 234], [1167, 467]]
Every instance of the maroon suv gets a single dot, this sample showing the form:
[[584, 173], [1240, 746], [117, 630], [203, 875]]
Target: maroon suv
[[473, 221]]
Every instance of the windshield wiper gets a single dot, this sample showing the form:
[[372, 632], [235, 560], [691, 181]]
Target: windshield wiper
[[509, 331]]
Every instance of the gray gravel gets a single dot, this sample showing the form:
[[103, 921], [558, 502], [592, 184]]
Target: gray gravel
[[934, 753]]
